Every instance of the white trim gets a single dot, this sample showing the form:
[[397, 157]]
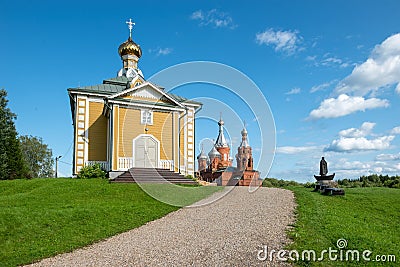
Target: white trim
[[124, 163], [144, 85], [97, 100], [185, 143], [141, 105], [158, 147], [103, 164], [87, 131], [192, 104], [116, 107], [166, 164], [142, 112], [85, 94]]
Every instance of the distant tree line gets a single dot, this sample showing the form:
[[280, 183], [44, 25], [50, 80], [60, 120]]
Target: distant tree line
[[24, 156], [273, 182], [373, 180]]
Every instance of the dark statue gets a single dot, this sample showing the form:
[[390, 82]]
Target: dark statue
[[324, 183], [323, 167], [323, 171]]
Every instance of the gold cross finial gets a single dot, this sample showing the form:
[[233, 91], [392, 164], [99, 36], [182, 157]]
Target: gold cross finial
[[130, 26]]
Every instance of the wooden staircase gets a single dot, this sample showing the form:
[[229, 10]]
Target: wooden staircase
[[150, 175]]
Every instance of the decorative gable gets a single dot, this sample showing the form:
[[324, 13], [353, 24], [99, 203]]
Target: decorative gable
[[147, 92]]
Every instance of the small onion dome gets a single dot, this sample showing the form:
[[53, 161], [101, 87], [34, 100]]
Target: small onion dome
[[202, 155], [244, 131], [129, 47], [214, 153]]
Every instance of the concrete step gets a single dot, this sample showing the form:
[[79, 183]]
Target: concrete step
[[144, 175]]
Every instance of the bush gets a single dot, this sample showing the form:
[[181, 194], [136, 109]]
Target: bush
[[92, 171], [309, 185], [272, 182], [373, 180]]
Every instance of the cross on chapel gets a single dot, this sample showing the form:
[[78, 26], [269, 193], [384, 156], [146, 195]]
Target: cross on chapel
[[130, 26]]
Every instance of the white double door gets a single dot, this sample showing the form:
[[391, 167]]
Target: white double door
[[145, 152]]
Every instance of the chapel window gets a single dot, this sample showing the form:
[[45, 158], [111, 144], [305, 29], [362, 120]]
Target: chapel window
[[147, 117]]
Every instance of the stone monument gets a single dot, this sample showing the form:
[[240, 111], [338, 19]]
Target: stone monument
[[325, 182], [324, 179]]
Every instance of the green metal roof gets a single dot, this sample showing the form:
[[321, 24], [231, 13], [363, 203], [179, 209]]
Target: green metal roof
[[118, 84]]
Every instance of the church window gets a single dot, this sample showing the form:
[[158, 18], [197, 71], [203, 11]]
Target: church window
[[146, 117]]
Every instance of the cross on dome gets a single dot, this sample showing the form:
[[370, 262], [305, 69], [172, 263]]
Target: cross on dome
[[130, 26]]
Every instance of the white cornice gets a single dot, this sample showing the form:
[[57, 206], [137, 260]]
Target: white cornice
[[143, 105], [144, 85]]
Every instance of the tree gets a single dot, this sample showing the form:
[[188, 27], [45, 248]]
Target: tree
[[38, 156], [11, 162]]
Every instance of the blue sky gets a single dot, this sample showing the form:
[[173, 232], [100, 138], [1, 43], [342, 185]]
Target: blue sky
[[328, 69]]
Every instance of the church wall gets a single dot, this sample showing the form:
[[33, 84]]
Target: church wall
[[130, 127], [187, 138], [176, 140], [97, 133], [81, 145], [163, 122], [115, 134], [182, 136]]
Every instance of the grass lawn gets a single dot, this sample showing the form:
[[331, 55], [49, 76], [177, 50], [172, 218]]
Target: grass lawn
[[367, 218], [40, 218]]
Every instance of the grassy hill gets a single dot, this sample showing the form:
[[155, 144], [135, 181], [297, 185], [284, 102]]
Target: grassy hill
[[367, 218], [44, 217]]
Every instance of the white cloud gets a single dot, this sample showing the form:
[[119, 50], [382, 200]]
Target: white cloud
[[164, 51], [381, 69], [345, 105], [161, 51], [296, 149], [322, 86], [327, 60], [365, 130], [197, 15], [353, 139], [388, 157], [213, 18], [354, 169], [294, 91], [395, 130], [355, 144], [283, 41], [398, 88]]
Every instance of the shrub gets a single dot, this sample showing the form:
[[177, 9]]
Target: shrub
[[91, 171], [309, 185]]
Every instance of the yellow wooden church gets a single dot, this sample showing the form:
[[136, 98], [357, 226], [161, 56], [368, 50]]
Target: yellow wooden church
[[129, 122]]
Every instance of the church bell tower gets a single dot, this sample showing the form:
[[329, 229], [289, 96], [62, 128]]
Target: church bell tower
[[130, 52], [244, 157]]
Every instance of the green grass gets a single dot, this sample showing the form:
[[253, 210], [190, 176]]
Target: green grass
[[368, 218], [43, 217]]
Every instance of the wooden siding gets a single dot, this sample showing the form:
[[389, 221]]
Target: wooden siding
[[97, 133], [130, 127], [182, 155]]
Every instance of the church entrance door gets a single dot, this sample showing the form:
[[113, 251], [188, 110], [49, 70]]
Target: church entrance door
[[145, 148]]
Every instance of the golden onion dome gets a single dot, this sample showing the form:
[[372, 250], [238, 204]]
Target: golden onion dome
[[129, 47]]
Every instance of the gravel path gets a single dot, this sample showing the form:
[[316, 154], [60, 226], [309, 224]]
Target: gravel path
[[228, 232]]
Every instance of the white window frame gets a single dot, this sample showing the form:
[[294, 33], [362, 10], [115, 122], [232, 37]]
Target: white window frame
[[146, 120]]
